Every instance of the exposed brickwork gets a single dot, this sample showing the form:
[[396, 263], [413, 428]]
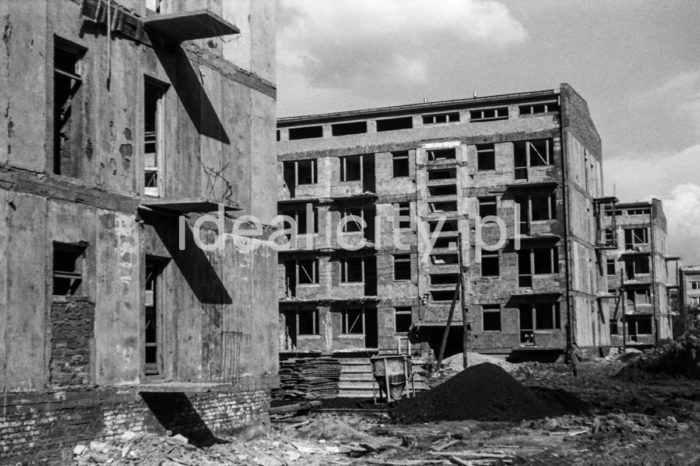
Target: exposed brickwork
[[72, 328], [44, 428]]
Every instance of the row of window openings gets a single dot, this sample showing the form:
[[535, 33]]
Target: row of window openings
[[354, 215], [633, 237], [354, 321], [636, 325], [633, 266], [67, 115], [393, 124], [536, 261], [619, 212], [359, 167]]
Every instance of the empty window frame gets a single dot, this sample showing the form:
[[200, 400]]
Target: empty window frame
[[487, 114], [438, 118], [635, 237], [153, 5], [609, 236], [307, 271], [695, 285], [442, 242], [443, 206], [442, 190], [444, 259], [153, 317], [306, 132], [485, 157], [487, 207], [442, 174], [638, 296], [444, 278], [538, 316], [447, 226], [637, 265], [353, 321], [535, 153], [536, 261], [536, 206], [435, 155], [610, 265], [639, 325], [67, 269], [402, 319], [351, 168], [491, 317], [67, 108], [153, 137], [355, 215], [538, 108], [307, 321], [646, 211], [352, 270], [403, 211], [300, 172], [402, 267], [442, 295], [302, 223], [355, 127], [490, 264], [614, 326], [391, 124], [400, 165]]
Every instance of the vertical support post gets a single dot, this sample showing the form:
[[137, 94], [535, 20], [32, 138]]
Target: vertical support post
[[462, 293]]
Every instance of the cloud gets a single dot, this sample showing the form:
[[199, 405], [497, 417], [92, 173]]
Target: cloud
[[641, 176], [682, 210], [673, 178], [355, 45]]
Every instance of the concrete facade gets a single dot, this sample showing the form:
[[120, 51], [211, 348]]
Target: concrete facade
[[641, 276], [689, 294], [112, 150], [458, 161]]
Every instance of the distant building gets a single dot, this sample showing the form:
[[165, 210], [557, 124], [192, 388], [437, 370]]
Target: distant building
[[641, 277], [689, 293], [544, 288]]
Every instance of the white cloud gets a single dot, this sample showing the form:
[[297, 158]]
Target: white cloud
[[351, 44], [682, 210], [674, 179]]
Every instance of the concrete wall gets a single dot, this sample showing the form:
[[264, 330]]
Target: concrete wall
[[219, 314]]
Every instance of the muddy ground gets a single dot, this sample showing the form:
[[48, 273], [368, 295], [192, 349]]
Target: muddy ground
[[634, 420]]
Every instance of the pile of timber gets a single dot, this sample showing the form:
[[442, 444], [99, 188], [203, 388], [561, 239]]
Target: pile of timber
[[309, 378]]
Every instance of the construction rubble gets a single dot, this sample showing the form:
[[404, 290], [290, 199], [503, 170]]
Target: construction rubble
[[548, 416]]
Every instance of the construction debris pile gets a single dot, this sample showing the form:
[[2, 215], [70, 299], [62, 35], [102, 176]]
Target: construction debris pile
[[678, 357], [310, 378], [484, 392]]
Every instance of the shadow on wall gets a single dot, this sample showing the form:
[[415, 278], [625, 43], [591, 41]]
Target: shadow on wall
[[175, 413], [193, 263], [186, 81]]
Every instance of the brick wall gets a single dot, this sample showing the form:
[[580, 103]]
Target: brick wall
[[44, 428], [72, 324]]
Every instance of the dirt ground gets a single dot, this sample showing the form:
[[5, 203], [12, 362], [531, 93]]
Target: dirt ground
[[634, 420]]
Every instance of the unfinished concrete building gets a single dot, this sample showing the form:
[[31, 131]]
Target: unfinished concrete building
[[458, 161], [689, 295], [641, 276], [125, 122]]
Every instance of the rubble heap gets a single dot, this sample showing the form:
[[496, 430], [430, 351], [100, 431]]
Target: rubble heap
[[484, 392], [679, 357]]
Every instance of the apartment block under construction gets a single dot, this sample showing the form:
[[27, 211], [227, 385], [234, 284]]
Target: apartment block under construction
[[126, 122], [531, 159], [642, 278]]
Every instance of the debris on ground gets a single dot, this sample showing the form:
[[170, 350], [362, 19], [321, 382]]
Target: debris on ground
[[680, 357], [484, 392], [656, 421]]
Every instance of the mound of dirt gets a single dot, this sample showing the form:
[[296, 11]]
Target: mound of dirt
[[680, 357], [484, 392]]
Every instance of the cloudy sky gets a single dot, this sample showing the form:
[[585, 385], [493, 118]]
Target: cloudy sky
[[637, 63]]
